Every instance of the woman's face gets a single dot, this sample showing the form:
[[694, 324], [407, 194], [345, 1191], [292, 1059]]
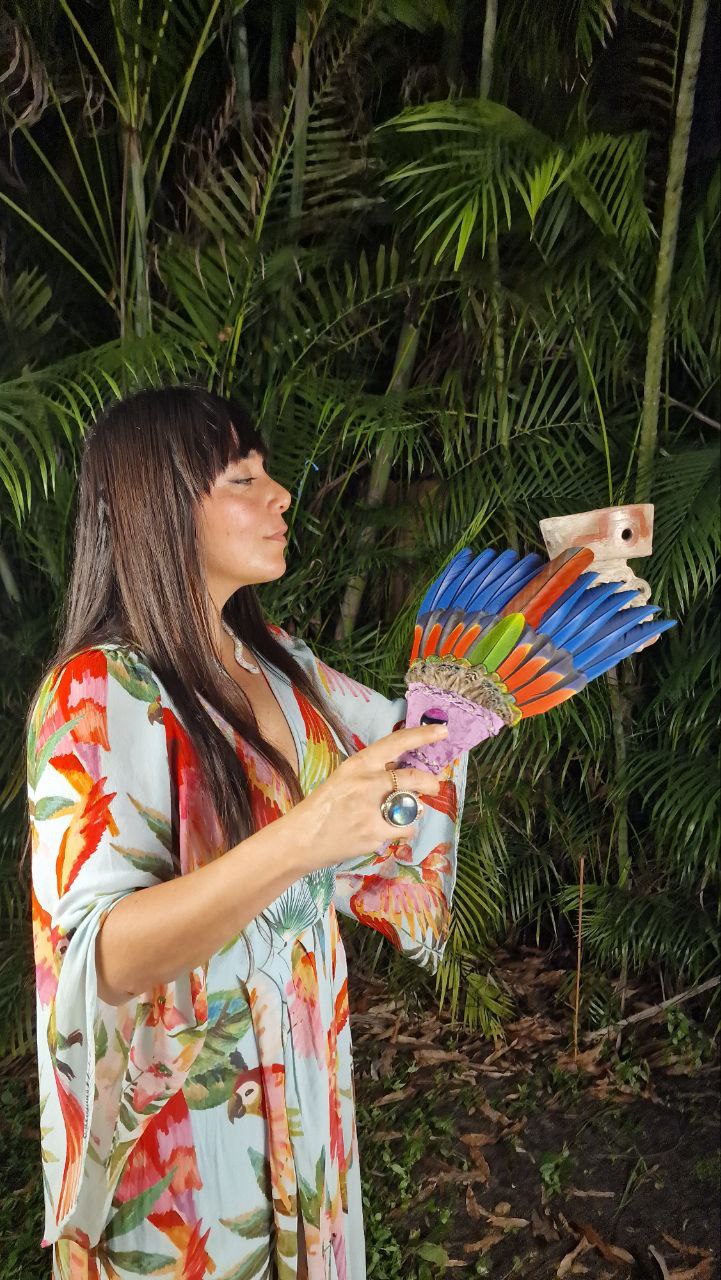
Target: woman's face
[[236, 523]]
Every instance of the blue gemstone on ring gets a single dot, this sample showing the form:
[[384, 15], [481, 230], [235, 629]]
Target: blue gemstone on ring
[[401, 808]]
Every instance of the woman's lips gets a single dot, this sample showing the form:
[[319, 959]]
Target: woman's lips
[[277, 537]]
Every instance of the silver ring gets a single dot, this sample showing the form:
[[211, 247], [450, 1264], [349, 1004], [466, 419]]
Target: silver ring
[[404, 804]]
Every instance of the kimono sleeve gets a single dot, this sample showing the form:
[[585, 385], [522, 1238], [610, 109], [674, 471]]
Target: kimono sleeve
[[100, 814], [404, 888]]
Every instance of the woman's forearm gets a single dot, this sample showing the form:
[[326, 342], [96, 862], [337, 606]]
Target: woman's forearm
[[154, 934]]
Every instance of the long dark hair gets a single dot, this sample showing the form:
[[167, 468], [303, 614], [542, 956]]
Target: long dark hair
[[136, 577]]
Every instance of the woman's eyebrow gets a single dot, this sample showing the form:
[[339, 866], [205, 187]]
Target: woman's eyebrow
[[244, 462]]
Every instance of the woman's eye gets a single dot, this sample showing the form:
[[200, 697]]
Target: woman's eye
[[249, 481]]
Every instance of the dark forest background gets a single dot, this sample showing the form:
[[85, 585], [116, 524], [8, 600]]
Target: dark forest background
[[462, 262]]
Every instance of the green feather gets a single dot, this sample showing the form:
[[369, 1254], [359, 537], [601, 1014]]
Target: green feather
[[493, 648]]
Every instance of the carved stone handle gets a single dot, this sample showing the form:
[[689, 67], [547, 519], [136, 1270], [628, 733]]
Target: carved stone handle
[[614, 535]]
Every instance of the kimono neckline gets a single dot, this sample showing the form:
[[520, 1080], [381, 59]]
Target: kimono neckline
[[284, 702]]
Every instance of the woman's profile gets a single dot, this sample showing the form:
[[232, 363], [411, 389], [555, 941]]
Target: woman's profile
[[205, 796]]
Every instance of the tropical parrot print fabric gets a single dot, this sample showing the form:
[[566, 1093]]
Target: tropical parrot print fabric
[[198, 1128]]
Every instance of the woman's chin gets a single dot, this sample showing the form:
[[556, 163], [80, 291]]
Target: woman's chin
[[271, 573]]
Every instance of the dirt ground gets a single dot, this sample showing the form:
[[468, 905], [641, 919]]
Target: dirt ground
[[527, 1162]]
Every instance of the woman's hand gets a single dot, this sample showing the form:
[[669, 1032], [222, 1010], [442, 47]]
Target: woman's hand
[[341, 818]]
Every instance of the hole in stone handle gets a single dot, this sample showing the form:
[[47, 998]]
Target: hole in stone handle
[[627, 534]]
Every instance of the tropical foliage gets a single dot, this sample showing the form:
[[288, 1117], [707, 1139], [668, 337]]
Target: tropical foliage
[[428, 244]]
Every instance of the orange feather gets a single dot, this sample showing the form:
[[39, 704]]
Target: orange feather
[[526, 672], [538, 686], [540, 705], [471, 634], [450, 640], [514, 660], [432, 641], [417, 633]]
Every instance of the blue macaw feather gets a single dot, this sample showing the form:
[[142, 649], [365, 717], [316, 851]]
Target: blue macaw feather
[[475, 574], [575, 631], [633, 640], [611, 633], [472, 570], [435, 591], [580, 610], [564, 605], [514, 581], [491, 578]]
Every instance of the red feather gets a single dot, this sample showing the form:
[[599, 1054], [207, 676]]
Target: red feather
[[549, 584]]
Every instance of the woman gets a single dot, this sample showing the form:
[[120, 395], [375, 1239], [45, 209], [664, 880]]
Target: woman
[[205, 795]]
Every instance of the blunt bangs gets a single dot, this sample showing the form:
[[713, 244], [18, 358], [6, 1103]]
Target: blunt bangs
[[217, 431]]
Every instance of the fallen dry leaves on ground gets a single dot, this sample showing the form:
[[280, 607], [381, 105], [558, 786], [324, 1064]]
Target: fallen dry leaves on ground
[[384, 1034]]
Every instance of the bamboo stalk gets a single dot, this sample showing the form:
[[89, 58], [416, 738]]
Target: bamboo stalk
[[499, 340], [577, 994], [667, 251], [488, 48], [645, 1014], [276, 78], [301, 57], [241, 74], [380, 474], [142, 317]]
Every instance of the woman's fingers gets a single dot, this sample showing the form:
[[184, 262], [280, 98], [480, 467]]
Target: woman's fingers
[[386, 750], [419, 780]]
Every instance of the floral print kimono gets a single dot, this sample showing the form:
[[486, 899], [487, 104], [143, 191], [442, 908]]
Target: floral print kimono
[[198, 1128]]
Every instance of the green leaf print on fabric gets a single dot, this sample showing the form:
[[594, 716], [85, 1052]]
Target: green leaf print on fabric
[[287, 1247], [142, 1264], [293, 912], [37, 762], [321, 884], [101, 1042], [261, 1169], [51, 807], [133, 674], [211, 1079], [311, 1198], [158, 823], [148, 862], [134, 1211], [251, 1225], [258, 1266]]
